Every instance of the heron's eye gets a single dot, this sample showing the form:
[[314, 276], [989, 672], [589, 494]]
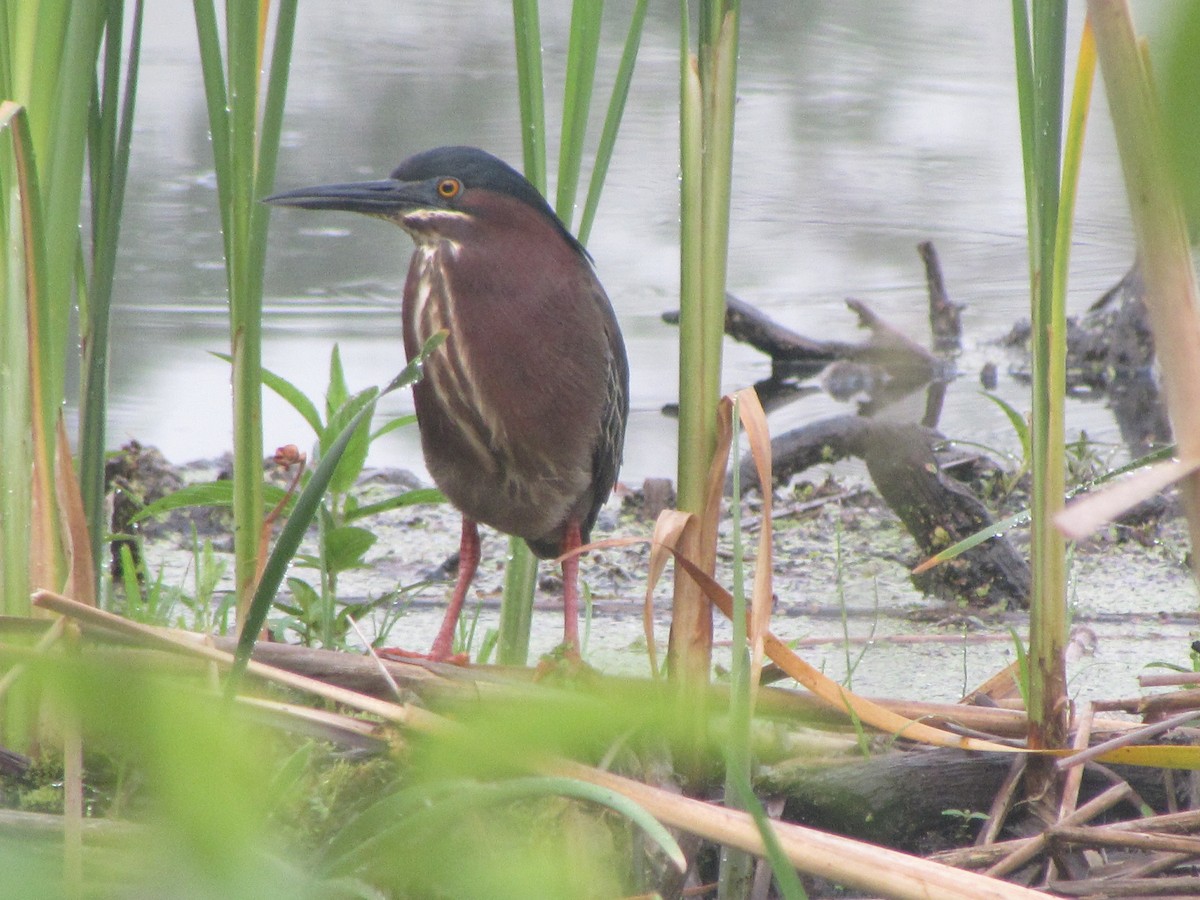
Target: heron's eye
[[449, 187]]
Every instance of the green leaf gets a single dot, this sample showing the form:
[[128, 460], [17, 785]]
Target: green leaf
[[1019, 423], [346, 546], [209, 493], [304, 594], [337, 393], [129, 579], [355, 456], [398, 422], [412, 372], [582, 51], [415, 497], [531, 93], [295, 397], [612, 119]]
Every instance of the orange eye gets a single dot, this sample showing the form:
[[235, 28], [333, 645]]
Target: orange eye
[[449, 187]]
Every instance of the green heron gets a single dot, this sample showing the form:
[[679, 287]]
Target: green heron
[[522, 410]]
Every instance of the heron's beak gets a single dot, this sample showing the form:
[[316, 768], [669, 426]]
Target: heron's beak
[[374, 198]]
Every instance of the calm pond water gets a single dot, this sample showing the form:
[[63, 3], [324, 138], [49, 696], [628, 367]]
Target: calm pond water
[[863, 128]]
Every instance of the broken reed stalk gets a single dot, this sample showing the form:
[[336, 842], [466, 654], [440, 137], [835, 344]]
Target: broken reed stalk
[[1161, 233]]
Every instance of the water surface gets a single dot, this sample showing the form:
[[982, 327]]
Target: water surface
[[863, 128]]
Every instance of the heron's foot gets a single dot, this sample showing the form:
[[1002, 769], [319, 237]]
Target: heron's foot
[[399, 655], [563, 663]]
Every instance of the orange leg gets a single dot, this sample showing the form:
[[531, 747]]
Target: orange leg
[[443, 644], [468, 562], [570, 569]]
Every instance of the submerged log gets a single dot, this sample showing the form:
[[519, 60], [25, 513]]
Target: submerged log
[[938, 511]]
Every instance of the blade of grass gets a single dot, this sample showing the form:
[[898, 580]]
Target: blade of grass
[[109, 141], [287, 544], [612, 119], [737, 867], [245, 149], [786, 878], [582, 49], [527, 33]]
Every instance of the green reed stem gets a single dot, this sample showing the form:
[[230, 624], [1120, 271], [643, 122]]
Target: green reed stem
[[1041, 52], [708, 82], [520, 573], [520, 576], [612, 119], [110, 135], [245, 149], [582, 51], [47, 79], [527, 32]]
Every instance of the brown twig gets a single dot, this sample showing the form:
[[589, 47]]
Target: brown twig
[[1071, 784], [945, 316], [1001, 803], [977, 857]]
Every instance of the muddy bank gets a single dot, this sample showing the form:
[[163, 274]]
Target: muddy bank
[[841, 574]]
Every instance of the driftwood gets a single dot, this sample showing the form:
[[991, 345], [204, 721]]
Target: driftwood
[[1110, 354], [746, 324], [939, 511], [1112, 348], [945, 316], [891, 354], [786, 348], [936, 509]]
